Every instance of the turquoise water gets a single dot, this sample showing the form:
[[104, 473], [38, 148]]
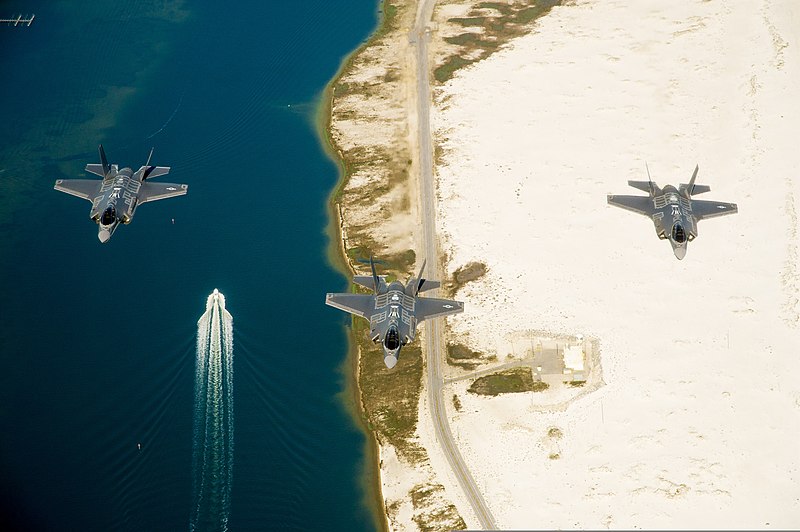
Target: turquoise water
[[98, 342]]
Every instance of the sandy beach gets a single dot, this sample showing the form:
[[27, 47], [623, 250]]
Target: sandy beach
[[698, 421]]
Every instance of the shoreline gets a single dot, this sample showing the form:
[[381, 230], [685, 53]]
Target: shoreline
[[350, 397], [367, 116]]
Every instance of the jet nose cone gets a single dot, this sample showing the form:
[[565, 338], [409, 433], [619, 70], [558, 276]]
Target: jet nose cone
[[390, 361], [103, 235], [680, 252]]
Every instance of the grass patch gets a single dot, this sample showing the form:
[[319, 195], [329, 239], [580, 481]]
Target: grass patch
[[461, 352], [514, 380], [504, 9], [472, 39], [390, 397], [512, 21], [539, 9], [428, 496], [470, 21], [446, 71], [341, 88], [463, 357], [463, 275]]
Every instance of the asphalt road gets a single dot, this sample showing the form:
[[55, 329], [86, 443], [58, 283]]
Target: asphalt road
[[433, 333]]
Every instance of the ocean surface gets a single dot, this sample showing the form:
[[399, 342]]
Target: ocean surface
[[98, 342]]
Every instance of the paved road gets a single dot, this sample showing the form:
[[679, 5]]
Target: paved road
[[433, 332]]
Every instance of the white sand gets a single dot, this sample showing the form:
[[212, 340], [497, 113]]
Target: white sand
[[699, 422]]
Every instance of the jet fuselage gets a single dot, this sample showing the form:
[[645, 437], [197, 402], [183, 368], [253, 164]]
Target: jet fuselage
[[400, 321], [673, 219], [117, 201]]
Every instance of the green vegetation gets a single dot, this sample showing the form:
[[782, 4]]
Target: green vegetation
[[341, 88], [424, 496], [446, 71], [540, 9], [470, 39], [513, 380], [463, 357], [390, 18], [469, 272], [511, 20], [389, 398], [504, 9], [395, 266], [471, 21], [456, 403], [554, 433]]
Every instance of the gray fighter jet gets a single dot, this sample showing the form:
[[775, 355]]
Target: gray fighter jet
[[115, 198], [394, 310], [674, 212]]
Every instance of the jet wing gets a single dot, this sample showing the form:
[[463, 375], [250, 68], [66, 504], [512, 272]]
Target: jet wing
[[359, 304], [83, 188], [640, 204], [159, 191], [711, 209], [431, 307]]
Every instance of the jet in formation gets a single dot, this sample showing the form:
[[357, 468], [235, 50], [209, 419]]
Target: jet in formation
[[394, 310], [115, 198], [674, 212]]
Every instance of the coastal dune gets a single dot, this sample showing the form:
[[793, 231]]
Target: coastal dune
[[697, 423]]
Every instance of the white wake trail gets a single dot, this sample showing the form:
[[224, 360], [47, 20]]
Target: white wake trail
[[212, 458]]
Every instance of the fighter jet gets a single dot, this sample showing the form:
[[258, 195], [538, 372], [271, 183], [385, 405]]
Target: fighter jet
[[394, 310], [115, 198], [674, 212]]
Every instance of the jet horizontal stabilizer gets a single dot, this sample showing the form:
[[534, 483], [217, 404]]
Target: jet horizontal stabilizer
[[428, 285], [155, 171], [641, 185], [697, 189], [368, 282], [96, 169]]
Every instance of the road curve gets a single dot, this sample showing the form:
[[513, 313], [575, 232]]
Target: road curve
[[433, 334]]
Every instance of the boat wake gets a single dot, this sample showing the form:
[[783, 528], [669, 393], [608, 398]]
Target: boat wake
[[212, 458]]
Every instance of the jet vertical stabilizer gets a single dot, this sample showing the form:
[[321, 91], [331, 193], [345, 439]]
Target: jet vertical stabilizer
[[103, 160]]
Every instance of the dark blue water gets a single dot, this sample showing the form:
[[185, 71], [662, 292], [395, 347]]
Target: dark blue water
[[97, 342]]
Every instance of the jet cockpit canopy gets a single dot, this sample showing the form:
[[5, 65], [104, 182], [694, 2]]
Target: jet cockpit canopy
[[678, 233], [392, 340], [109, 215]]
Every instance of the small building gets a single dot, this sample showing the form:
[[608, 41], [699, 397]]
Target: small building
[[574, 363]]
